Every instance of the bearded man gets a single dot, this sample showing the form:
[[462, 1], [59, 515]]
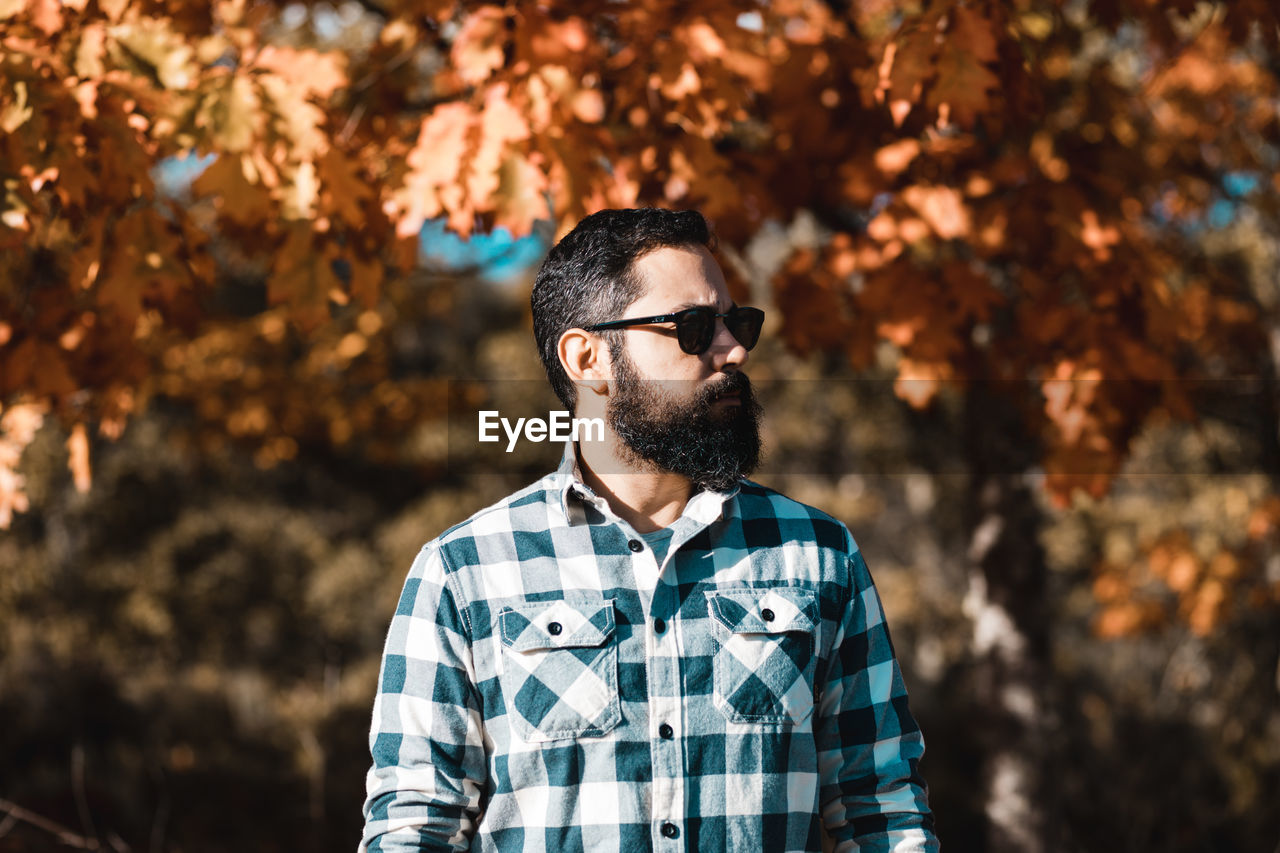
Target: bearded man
[[643, 650]]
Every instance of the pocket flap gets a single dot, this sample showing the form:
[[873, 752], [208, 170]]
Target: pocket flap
[[556, 625], [763, 611]]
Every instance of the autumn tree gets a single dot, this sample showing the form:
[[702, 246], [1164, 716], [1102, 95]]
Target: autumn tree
[[1011, 197]]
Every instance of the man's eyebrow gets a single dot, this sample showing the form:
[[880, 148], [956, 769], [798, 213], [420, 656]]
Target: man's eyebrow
[[685, 305]]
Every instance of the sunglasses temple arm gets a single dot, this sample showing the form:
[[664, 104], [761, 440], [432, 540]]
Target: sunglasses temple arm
[[636, 321]]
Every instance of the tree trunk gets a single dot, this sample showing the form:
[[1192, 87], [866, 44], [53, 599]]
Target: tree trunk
[[1006, 603]]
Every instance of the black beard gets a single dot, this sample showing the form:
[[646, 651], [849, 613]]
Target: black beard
[[713, 448]]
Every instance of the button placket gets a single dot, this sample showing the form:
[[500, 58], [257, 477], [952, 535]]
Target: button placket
[[665, 709]]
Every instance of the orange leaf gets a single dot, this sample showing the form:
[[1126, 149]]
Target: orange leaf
[[120, 290], [145, 263], [478, 48], [13, 496], [436, 10], [10, 8], [1122, 619], [815, 315], [86, 261], [588, 106], [50, 375], [1071, 468], [755, 70], [907, 65], [298, 120], [18, 427], [897, 156], [434, 164], [78, 458], [964, 81], [46, 15], [233, 194], [1207, 607], [158, 48], [918, 382], [970, 292], [366, 280], [344, 189], [92, 48], [232, 113], [943, 208], [114, 9], [971, 29], [18, 364], [1097, 236], [310, 72], [1265, 518], [500, 125], [554, 42], [75, 180], [521, 197], [303, 278]]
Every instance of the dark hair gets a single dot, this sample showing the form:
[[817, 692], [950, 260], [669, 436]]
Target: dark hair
[[588, 277]]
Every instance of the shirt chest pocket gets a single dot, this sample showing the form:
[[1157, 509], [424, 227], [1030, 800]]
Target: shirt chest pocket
[[560, 669], [764, 654]]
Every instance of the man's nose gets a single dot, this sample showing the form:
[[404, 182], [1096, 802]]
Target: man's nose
[[726, 350]]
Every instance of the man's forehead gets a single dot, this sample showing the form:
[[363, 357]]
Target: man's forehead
[[682, 276]]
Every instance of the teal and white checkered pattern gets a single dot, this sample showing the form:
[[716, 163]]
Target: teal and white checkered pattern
[[560, 668], [764, 662], [548, 685]]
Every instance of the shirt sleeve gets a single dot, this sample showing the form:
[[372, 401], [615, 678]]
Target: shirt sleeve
[[869, 746], [424, 788]]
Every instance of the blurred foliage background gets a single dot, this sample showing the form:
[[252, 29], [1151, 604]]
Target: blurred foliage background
[[1019, 259], [190, 649]]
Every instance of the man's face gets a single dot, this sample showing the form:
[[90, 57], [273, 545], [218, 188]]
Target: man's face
[[694, 415]]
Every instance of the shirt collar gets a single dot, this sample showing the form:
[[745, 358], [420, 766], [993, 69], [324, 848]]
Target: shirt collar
[[573, 495]]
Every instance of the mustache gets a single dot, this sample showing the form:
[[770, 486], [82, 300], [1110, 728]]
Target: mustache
[[733, 384]]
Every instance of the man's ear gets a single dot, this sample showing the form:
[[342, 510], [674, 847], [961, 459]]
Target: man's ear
[[585, 358]]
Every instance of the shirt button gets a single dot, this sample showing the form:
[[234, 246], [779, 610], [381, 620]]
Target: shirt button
[[766, 615], [659, 626], [636, 545], [670, 830], [665, 732], [554, 629]]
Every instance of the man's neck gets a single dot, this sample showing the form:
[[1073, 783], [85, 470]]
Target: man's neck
[[646, 498]]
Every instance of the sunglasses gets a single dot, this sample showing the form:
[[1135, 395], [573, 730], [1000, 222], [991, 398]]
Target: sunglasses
[[696, 327]]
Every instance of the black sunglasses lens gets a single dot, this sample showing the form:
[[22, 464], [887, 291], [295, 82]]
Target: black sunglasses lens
[[695, 328], [745, 324]]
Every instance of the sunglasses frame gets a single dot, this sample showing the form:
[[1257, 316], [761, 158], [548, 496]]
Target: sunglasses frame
[[753, 316]]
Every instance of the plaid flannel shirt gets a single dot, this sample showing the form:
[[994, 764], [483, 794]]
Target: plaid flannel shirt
[[548, 686]]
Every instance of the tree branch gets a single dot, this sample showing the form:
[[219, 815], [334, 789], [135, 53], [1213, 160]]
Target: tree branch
[[63, 834]]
